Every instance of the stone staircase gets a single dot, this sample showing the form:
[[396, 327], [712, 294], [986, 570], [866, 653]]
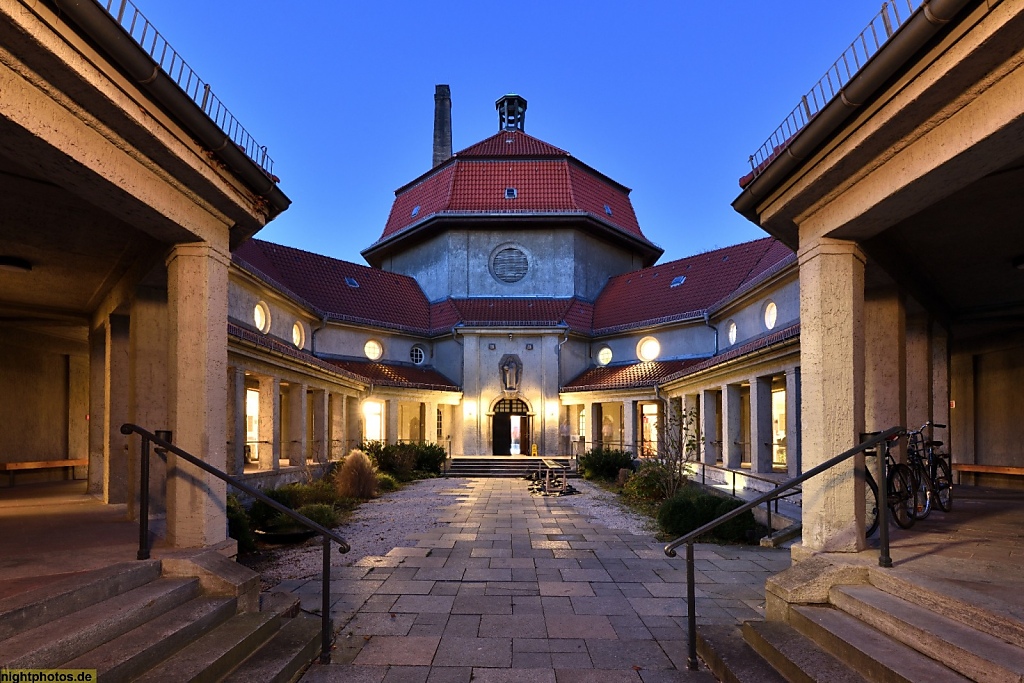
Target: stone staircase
[[841, 623], [504, 466], [195, 619]]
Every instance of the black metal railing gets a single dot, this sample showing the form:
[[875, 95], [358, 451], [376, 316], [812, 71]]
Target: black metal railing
[[164, 446], [775, 483], [883, 524]]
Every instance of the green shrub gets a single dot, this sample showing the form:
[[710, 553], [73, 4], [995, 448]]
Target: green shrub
[[430, 457], [604, 463], [692, 509], [647, 483], [397, 459], [735, 530], [261, 514], [677, 515], [357, 478], [318, 491], [386, 482], [322, 514], [238, 525]]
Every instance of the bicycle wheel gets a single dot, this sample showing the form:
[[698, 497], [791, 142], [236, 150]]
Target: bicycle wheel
[[901, 495], [943, 485], [922, 486], [870, 506]]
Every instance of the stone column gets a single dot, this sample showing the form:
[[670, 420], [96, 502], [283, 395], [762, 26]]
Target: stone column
[[430, 422], [97, 409], [391, 421], [236, 420], [793, 422], [197, 284], [761, 438], [885, 371], [321, 446], [732, 427], [115, 397], [596, 423], [339, 427], [690, 429], [940, 378], [919, 372], [832, 401], [630, 428], [298, 415], [709, 426], [270, 423]]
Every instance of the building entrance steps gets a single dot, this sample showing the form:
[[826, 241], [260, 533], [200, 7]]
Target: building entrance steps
[[523, 588]]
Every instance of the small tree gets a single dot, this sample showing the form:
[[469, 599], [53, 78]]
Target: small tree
[[679, 444]]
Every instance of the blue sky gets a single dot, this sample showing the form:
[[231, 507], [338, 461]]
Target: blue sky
[[667, 98]]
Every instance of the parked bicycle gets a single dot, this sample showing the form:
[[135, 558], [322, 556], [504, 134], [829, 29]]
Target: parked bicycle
[[933, 482], [899, 490]]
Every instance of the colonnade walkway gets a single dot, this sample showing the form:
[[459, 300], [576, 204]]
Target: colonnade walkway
[[516, 588]]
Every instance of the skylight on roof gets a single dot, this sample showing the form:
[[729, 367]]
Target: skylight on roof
[[351, 282], [678, 280], [511, 193], [415, 210], [608, 209]]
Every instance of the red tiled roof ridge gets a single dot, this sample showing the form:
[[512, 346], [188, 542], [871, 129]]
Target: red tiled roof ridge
[[756, 281], [477, 149]]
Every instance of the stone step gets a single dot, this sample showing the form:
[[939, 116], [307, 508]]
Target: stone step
[[731, 658], [25, 611], [142, 648], [74, 634], [875, 655], [973, 653], [796, 657], [215, 654], [957, 592], [289, 651]]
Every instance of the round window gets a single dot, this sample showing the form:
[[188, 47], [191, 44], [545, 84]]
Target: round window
[[771, 314], [261, 316], [648, 349], [730, 332], [416, 355], [510, 264], [298, 335], [604, 356], [373, 349]]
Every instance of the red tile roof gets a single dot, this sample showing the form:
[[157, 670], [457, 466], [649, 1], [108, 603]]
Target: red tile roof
[[647, 296], [646, 374], [382, 298], [385, 374], [770, 339], [277, 346], [547, 181]]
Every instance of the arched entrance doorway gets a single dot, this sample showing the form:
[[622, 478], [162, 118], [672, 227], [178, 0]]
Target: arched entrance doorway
[[510, 428]]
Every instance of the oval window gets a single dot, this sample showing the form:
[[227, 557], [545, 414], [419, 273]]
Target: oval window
[[771, 314], [261, 316], [298, 335], [604, 356], [373, 349], [648, 349], [730, 332]]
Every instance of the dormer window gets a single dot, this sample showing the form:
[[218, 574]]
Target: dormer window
[[351, 282], [415, 211], [511, 193], [678, 280]]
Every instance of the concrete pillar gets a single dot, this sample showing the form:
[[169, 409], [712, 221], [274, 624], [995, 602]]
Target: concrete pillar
[[116, 484], [596, 411], [197, 284], [940, 377], [793, 422], [339, 426], [270, 423], [690, 423], [78, 406], [761, 439], [630, 428], [709, 426], [885, 378], [430, 422], [391, 421], [236, 420], [732, 426], [321, 445], [962, 441], [97, 409], [832, 400], [295, 432], [919, 372]]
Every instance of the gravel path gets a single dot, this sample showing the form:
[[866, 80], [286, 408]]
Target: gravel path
[[384, 523]]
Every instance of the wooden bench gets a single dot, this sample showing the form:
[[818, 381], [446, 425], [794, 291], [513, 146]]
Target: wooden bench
[[987, 469], [13, 467]]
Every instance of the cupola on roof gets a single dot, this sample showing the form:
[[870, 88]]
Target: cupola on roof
[[512, 176]]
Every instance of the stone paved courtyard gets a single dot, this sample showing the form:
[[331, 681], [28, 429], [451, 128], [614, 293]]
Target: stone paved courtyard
[[524, 588]]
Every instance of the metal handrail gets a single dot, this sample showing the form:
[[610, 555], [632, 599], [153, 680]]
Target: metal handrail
[[163, 447], [145, 35], [863, 47], [688, 539]]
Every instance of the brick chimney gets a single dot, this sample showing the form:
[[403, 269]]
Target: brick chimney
[[442, 124]]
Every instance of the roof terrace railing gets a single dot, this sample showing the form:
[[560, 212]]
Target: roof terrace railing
[[891, 17], [128, 16]]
